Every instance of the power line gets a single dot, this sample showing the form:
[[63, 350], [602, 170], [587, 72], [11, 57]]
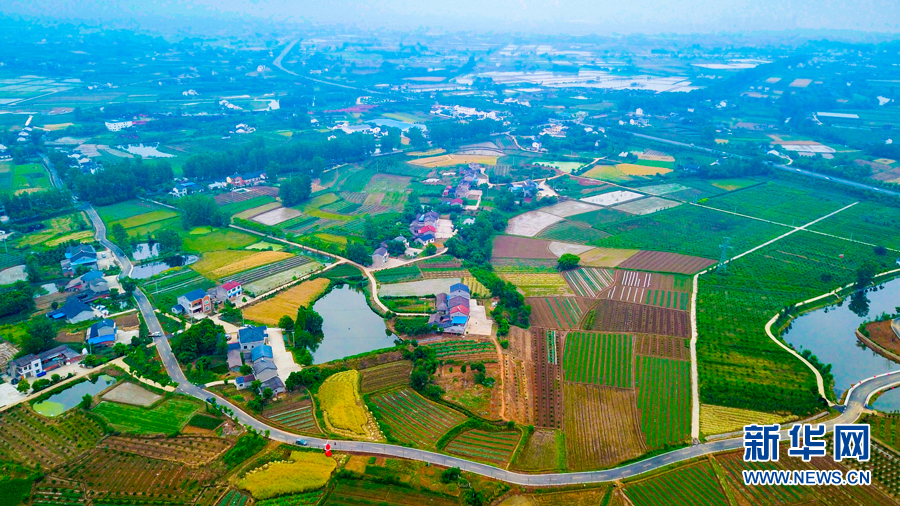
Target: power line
[[722, 268]]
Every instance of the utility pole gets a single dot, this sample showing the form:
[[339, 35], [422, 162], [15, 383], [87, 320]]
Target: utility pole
[[722, 268]]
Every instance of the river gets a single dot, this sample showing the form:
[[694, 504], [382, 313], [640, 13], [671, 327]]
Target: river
[[829, 334], [350, 326]]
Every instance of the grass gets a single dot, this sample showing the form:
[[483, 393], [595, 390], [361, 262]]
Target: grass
[[262, 245], [286, 302], [125, 210], [25, 177], [304, 472], [59, 229], [167, 417], [535, 282], [387, 183], [13, 492], [218, 239], [341, 404]]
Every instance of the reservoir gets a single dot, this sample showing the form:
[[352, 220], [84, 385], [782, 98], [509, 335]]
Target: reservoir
[[349, 325], [61, 402], [830, 336]]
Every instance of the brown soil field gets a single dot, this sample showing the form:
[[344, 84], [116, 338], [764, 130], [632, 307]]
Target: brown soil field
[[461, 389], [546, 376], [881, 334], [129, 393], [128, 321], [662, 346], [666, 262], [602, 426], [517, 384], [287, 302], [551, 312], [65, 337], [606, 257], [390, 375], [188, 450], [539, 453], [618, 316], [507, 246]]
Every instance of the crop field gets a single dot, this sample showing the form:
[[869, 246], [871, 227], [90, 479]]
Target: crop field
[[276, 216], [467, 350], [506, 246], [588, 281], [182, 282], [601, 359], [260, 273], [218, 239], [615, 316], [399, 274], [222, 264], [607, 173], [186, 449], [441, 263], [342, 407], [57, 230], [111, 475], [167, 417], [558, 312], [733, 184], [721, 419], [666, 262], [546, 373], [125, 210], [286, 302], [664, 399], [54, 490], [689, 230], [298, 416], [535, 282], [695, 484], [23, 178], [33, 440], [661, 346], [233, 498], [541, 452], [780, 202], [370, 493], [305, 472], [387, 183], [646, 206], [241, 206], [602, 426], [411, 418], [147, 218], [572, 231], [453, 159], [420, 288], [531, 223], [868, 222], [882, 463], [475, 287], [393, 374], [491, 447], [613, 198]]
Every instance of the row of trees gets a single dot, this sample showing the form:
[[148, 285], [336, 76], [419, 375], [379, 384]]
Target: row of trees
[[201, 210], [121, 181], [17, 298], [305, 330], [35, 205]]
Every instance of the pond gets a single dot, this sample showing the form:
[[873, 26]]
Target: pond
[[61, 402], [144, 251], [829, 333], [146, 151], [145, 271], [350, 326], [402, 125]]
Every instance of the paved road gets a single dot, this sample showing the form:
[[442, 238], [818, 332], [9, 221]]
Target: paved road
[[785, 168], [852, 408], [277, 63]]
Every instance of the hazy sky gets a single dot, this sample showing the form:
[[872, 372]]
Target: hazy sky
[[581, 16]]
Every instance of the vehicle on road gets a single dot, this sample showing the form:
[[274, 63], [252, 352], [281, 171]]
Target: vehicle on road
[[156, 334], [302, 442]]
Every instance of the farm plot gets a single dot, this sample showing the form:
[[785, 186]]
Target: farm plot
[[612, 198], [649, 205], [32, 440], [411, 418], [266, 271], [491, 447], [342, 408], [661, 346], [664, 390], [53, 490], [547, 404], [299, 416], [233, 498], [254, 211], [387, 183], [256, 259], [418, 288], [286, 302], [276, 216], [370, 493], [443, 262], [764, 495], [601, 359], [247, 204], [662, 189], [124, 210], [535, 282], [167, 417], [602, 426], [557, 312], [453, 159], [574, 231], [694, 484], [465, 350], [588, 281], [506, 246], [398, 274], [570, 208], [202, 239], [165, 290], [661, 261], [531, 223], [393, 374], [869, 222], [615, 316], [722, 419], [112, 475], [606, 257], [245, 194], [780, 202], [649, 288], [189, 450]]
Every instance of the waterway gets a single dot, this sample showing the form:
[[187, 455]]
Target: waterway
[[829, 334], [350, 326], [61, 402]]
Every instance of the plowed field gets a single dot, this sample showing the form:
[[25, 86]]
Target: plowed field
[[615, 316]]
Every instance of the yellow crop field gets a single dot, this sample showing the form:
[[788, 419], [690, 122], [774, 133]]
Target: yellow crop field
[[255, 260], [632, 169], [217, 264], [286, 302], [605, 257], [430, 152], [342, 406], [304, 472], [448, 160], [721, 419], [538, 284]]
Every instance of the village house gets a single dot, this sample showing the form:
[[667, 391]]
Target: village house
[[183, 189], [229, 290], [73, 311], [97, 288], [380, 257], [102, 333], [81, 282], [76, 256], [38, 365], [452, 310], [118, 124], [234, 356], [250, 337], [246, 179], [194, 302]]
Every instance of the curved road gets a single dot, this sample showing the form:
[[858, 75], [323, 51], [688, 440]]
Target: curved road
[[850, 411]]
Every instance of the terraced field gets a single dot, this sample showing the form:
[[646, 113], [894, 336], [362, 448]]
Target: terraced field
[[557, 312], [167, 417], [32, 440], [385, 376], [411, 418], [695, 484], [490, 447]]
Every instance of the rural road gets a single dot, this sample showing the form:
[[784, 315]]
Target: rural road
[[850, 411], [785, 168], [277, 63]]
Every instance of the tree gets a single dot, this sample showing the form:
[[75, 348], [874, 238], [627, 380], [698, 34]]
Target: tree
[[450, 475], [33, 269], [246, 369], [199, 340], [356, 252], [568, 261], [396, 248], [169, 241], [198, 210], [86, 401], [865, 274], [267, 393], [286, 323], [128, 285], [16, 299], [39, 336], [23, 386], [416, 138], [295, 190], [119, 235], [430, 249]]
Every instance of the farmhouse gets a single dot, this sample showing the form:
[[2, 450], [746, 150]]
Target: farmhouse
[[261, 351], [73, 311], [264, 369], [456, 202], [81, 282], [76, 256], [193, 303], [183, 189], [250, 337], [102, 333], [246, 179], [242, 382], [424, 240], [234, 356], [38, 365], [380, 257], [96, 288], [275, 384], [452, 311], [29, 365], [118, 124], [229, 290]]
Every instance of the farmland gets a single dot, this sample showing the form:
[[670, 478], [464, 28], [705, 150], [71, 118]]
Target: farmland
[[661, 346], [286, 302], [720, 419], [683, 486], [602, 426], [165, 289], [33, 440], [385, 376], [268, 277], [666, 262], [544, 450], [588, 281], [492, 447], [780, 202], [868, 222], [305, 472], [615, 316], [663, 397], [602, 359], [167, 417], [370, 493], [342, 407], [298, 416], [506, 246], [399, 274], [547, 403], [535, 281], [203, 239], [22, 178], [222, 264], [185, 449], [411, 418], [466, 350]]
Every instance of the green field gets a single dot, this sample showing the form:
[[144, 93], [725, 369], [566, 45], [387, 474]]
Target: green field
[[664, 398], [356, 180], [780, 202], [572, 231], [236, 207], [167, 417], [602, 359], [166, 290], [669, 299], [125, 210], [410, 418], [398, 274], [696, 484], [867, 222], [28, 176], [218, 239]]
